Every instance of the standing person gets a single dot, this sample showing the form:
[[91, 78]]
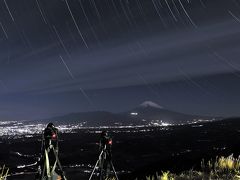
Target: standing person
[[104, 163], [105, 145], [50, 136], [49, 164]]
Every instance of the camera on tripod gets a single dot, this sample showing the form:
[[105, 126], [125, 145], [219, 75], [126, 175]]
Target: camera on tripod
[[104, 163], [109, 141], [50, 135], [50, 132], [49, 166], [105, 141]]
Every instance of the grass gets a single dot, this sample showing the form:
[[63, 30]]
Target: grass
[[222, 168], [3, 172]]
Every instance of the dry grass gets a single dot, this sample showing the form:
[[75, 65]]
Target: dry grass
[[222, 168], [3, 173]]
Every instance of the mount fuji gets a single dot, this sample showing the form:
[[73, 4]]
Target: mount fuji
[[147, 113], [150, 111]]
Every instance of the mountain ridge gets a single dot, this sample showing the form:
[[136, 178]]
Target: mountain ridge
[[146, 113]]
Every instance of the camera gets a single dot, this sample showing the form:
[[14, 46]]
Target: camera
[[50, 132]]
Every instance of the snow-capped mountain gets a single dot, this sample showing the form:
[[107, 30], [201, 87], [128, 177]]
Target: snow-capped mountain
[[151, 112], [147, 113], [150, 104]]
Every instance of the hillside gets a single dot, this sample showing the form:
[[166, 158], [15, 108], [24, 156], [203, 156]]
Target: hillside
[[222, 168]]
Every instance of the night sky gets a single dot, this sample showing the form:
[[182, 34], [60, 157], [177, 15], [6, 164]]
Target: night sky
[[63, 56]]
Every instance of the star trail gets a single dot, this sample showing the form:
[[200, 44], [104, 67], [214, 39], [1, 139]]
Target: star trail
[[64, 56]]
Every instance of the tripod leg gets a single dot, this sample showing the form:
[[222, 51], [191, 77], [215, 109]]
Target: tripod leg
[[107, 169], [101, 172], [43, 171], [114, 170], [54, 167], [99, 160], [94, 170], [47, 164], [102, 166], [57, 160], [59, 164]]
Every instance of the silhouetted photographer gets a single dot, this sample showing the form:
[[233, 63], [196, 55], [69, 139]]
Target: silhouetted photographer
[[106, 143], [50, 136], [106, 146], [104, 162], [49, 165]]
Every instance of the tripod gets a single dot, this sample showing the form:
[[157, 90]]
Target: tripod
[[102, 161], [47, 170]]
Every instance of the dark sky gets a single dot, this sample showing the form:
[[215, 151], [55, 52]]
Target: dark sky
[[62, 56]]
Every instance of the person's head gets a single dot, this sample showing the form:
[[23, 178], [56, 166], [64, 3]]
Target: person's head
[[50, 132], [50, 125], [104, 133]]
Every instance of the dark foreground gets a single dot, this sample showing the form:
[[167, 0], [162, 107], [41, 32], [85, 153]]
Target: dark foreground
[[136, 152]]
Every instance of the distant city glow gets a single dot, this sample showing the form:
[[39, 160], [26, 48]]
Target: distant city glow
[[17, 129]]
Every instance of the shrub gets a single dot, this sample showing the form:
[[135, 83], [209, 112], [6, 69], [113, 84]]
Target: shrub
[[222, 168]]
